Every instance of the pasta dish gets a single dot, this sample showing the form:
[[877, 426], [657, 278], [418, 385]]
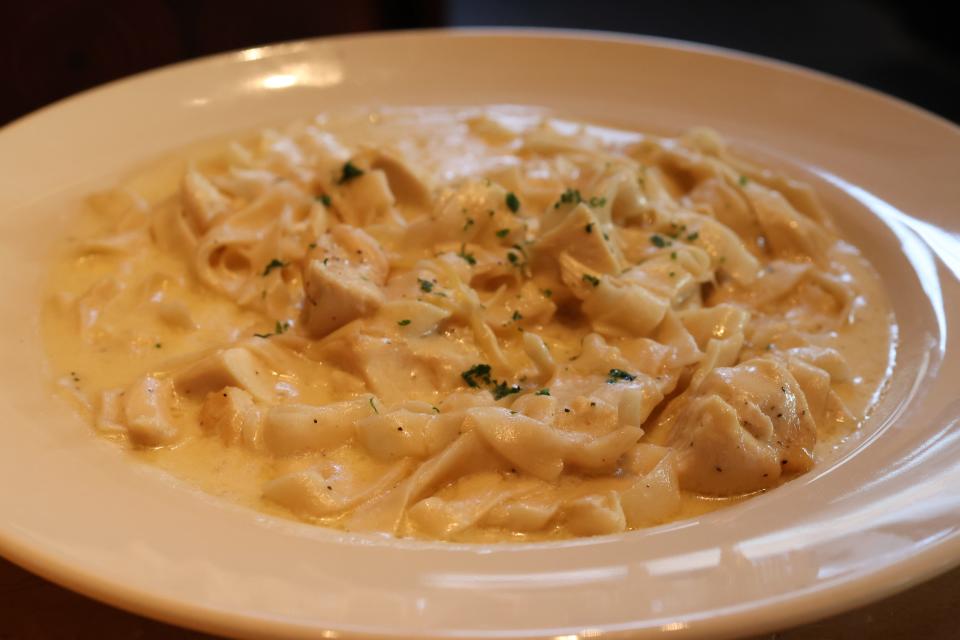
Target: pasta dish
[[468, 324]]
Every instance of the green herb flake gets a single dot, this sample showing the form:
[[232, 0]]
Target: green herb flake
[[324, 199], [658, 241], [158, 346], [476, 374], [513, 203], [425, 285], [312, 246], [469, 223], [542, 392], [512, 257], [374, 407], [589, 228], [594, 280], [693, 236], [743, 181], [616, 375], [503, 233], [673, 255], [468, 257], [516, 316], [548, 293], [502, 390], [349, 172], [597, 201], [273, 264], [403, 322], [570, 196]]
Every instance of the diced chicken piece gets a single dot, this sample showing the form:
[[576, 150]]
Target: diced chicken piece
[[231, 414], [742, 430], [406, 183], [234, 367], [336, 295], [366, 198], [579, 234], [202, 202], [147, 411], [616, 308], [346, 283]]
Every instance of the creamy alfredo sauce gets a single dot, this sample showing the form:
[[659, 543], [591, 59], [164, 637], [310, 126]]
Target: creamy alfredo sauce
[[481, 324]]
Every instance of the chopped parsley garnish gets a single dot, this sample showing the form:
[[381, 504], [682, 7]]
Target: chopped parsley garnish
[[570, 196], [673, 255], [374, 407], [672, 274], [503, 233], [158, 346], [470, 259], [589, 228], [693, 236], [476, 374], [312, 245], [676, 230], [594, 280], [403, 322], [279, 328], [324, 198], [502, 390], [516, 316], [743, 181], [479, 374], [425, 285], [349, 172], [468, 223], [273, 264], [619, 374], [597, 201], [658, 241], [542, 392], [548, 293], [512, 257], [513, 203]]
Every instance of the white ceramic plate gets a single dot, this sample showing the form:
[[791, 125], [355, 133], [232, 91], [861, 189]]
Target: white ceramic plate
[[883, 516]]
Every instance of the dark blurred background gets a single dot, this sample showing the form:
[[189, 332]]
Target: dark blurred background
[[50, 49]]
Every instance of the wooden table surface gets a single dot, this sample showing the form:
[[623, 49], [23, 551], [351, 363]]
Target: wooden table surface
[[31, 607]]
